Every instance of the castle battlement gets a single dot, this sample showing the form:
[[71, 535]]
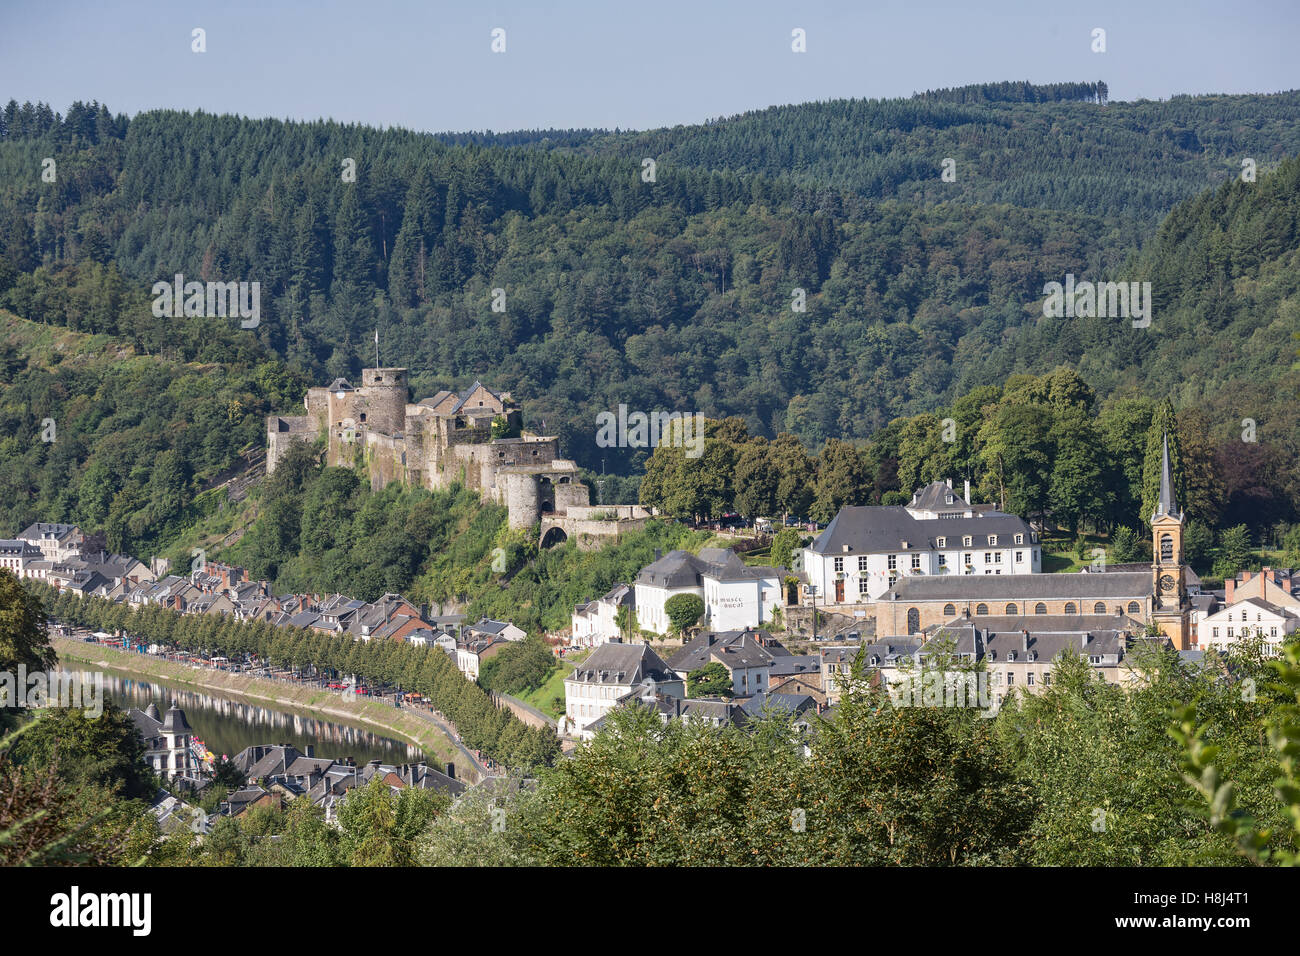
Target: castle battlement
[[439, 441]]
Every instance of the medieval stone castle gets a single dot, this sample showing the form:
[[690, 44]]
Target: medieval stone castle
[[475, 438]]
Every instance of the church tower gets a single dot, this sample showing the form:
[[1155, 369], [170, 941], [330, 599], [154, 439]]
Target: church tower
[[1169, 606]]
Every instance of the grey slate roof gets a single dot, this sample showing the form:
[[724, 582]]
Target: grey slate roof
[[745, 648], [1047, 636], [871, 529], [935, 497], [174, 721], [681, 569], [788, 664], [790, 703], [1166, 505], [613, 663], [676, 569], [1021, 587]]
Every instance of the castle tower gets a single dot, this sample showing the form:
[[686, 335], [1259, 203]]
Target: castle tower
[[384, 393], [1170, 607], [523, 499]]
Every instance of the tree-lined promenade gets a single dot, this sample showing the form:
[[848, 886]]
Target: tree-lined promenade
[[412, 724], [422, 670]]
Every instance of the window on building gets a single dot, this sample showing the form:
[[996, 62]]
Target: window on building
[[893, 562], [997, 557], [943, 560], [1166, 547], [839, 565], [967, 558], [1040, 608], [1011, 678], [966, 540], [1134, 607], [863, 584], [1020, 539], [1215, 631], [949, 610], [1071, 608], [982, 609], [1011, 609], [916, 562], [988, 557], [1020, 556], [1047, 677], [1029, 678], [862, 564], [1272, 632], [1230, 632], [942, 543], [1099, 608]]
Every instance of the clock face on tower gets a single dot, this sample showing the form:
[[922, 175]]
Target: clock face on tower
[[1166, 583]]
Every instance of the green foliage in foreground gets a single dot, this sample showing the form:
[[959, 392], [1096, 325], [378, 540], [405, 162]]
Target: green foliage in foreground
[[1084, 774], [1278, 844]]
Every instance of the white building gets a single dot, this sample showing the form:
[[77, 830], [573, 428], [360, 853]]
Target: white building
[[596, 621], [735, 595], [19, 557], [746, 655], [865, 550], [1252, 617], [610, 673]]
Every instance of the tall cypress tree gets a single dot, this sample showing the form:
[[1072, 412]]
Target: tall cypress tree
[[1163, 423]]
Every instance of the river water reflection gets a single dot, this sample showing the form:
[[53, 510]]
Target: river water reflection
[[227, 726]]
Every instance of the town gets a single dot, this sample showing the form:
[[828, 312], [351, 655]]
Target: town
[[899, 585]]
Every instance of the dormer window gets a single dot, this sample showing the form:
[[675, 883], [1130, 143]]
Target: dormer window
[[993, 539], [942, 543], [1020, 539], [947, 499], [966, 541]]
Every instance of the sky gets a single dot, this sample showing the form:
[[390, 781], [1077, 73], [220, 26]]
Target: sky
[[632, 64]]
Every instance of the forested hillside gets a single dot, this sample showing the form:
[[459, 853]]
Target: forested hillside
[[1042, 147], [675, 293], [93, 432]]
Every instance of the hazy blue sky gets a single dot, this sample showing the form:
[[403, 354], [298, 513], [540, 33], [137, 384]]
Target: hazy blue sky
[[427, 64]]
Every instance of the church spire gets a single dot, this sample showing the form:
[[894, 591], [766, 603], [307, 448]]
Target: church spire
[[1166, 505]]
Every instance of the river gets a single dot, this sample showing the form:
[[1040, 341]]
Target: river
[[227, 726]]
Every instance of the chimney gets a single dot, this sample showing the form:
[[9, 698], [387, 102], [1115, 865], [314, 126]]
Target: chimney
[[451, 770], [967, 495], [1024, 641], [658, 553], [1083, 642], [949, 482], [311, 750], [1229, 585], [708, 640]]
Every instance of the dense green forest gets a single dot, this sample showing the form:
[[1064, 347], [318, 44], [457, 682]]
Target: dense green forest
[[93, 432], [675, 293], [1030, 146]]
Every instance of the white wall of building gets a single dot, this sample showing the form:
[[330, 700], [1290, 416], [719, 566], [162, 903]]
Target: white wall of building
[[867, 576]]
